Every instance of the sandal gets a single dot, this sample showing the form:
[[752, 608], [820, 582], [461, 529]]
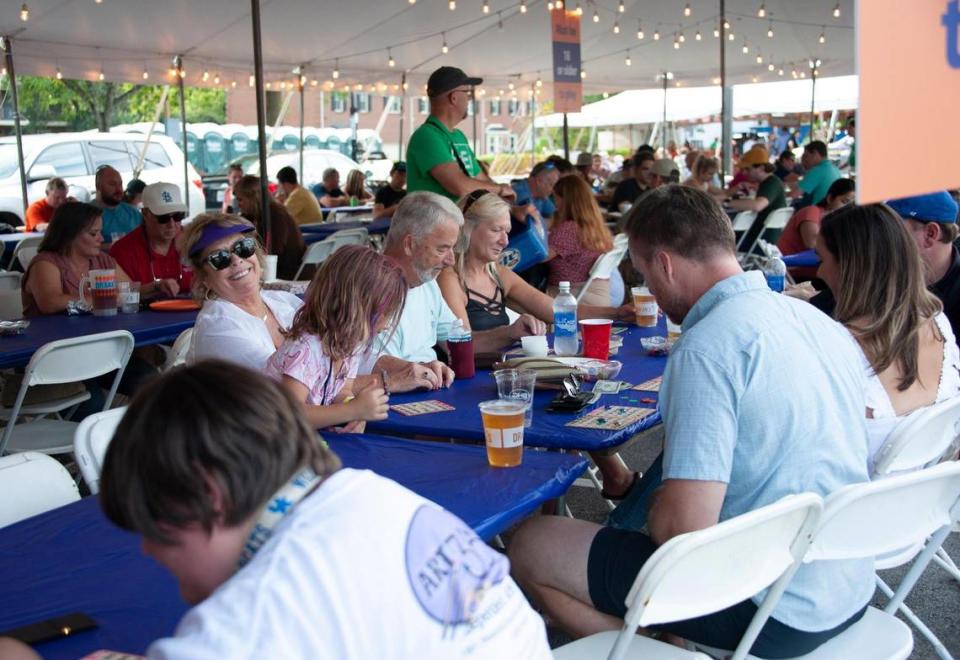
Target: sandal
[[622, 496]]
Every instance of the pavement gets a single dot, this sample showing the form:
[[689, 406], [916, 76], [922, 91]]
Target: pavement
[[935, 599]]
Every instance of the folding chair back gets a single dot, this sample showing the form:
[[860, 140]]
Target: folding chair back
[[178, 352], [741, 223], [723, 565], [31, 483], [25, 251], [10, 280], [877, 517], [11, 302], [602, 267], [778, 219], [90, 444], [317, 253], [357, 236], [920, 439]]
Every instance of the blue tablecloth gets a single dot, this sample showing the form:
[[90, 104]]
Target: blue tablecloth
[[314, 233], [73, 560], [147, 327], [805, 259], [549, 429]]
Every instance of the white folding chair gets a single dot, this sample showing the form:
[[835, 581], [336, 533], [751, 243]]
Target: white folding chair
[[357, 236], [602, 267], [317, 253], [63, 361], [741, 223], [877, 518], [25, 251], [90, 444], [775, 220], [177, 354], [11, 302], [706, 571], [32, 483]]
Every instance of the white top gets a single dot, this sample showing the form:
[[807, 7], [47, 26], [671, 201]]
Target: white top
[[226, 332], [364, 568], [885, 418], [425, 320]]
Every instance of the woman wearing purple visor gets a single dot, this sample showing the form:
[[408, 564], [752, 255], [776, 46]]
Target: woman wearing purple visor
[[239, 321]]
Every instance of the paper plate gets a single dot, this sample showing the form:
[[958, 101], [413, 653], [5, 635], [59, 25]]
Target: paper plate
[[174, 306]]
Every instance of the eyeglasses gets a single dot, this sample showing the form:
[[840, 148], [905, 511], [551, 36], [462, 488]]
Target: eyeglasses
[[468, 92], [244, 248], [176, 216], [473, 197]]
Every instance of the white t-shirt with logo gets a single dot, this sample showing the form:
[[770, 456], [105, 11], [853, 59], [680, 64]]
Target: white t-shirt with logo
[[364, 568]]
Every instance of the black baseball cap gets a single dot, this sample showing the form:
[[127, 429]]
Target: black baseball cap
[[447, 78], [399, 166]]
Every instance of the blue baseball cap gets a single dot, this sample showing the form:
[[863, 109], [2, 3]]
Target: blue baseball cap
[[935, 207]]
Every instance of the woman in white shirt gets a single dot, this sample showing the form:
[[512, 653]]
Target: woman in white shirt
[[239, 321], [872, 265]]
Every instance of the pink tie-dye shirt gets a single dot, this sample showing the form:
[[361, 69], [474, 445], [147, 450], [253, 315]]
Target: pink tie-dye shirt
[[304, 360]]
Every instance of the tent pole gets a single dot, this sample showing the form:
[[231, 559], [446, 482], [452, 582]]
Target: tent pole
[[403, 103], [813, 96], [473, 103], [726, 101], [156, 117], [183, 132], [12, 77], [533, 125], [261, 121], [301, 79], [566, 138]]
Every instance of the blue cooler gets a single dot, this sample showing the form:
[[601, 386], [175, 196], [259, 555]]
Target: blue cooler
[[527, 247]]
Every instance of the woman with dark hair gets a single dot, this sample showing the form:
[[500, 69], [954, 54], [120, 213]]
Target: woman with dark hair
[[801, 231], [71, 248], [873, 268], [286, 241]]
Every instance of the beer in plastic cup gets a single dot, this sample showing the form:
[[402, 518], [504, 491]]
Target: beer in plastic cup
[[673, 330], [645, 306], [503, 431], [596, 338]]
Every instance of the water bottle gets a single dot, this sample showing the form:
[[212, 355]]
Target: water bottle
[[565, 322], [776, 273], [460, 346]]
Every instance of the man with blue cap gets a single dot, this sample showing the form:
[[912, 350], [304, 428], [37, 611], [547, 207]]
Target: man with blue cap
[[932, 221]]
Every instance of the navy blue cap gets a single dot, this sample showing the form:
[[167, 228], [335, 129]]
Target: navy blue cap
[[935, 207]]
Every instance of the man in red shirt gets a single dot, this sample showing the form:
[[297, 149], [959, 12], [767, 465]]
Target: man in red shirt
[[148, 253], [41, 211]]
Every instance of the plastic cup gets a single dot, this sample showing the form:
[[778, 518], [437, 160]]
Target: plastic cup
[[503, 431], [645, 307], [270, 268], [129, 297], [517, 385], [596, 338], [103, 291], [534, 346], [673, 330]]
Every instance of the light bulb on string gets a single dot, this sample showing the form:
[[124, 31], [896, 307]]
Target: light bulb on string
[[656, 34], [596, 16], [486, 7], [803, 74], [762, 11], [523, 6], [836, 10], [639, 30], [550, 6], [511, 86], [146, 74], [616, 27], [770, 67], [606, 95], [621, 8], [336, 69], [681, 38], [99, 2], [687, 11], [206, 75], [539, 82], [216, 79], [267, 85], [583, 74], [822, 38], [627, 60], [698, 36], [716, 33], [579, 10], [779, 72], [558, 4], [726, 24], [770, 31], [59, 75], [676, 43], [101, 76], [233, 83], [390, 61], [444, 48], [731, 36], [24, 13], [755, 79], [759, 58], [746, 48], [250, 81], [452, 5]]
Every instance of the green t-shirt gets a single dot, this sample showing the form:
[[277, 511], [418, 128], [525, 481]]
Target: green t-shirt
[[852, 161], [433, 144], [772, 189], [818, 179]]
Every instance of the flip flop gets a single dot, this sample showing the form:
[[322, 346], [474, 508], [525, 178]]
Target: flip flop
[[618, 498]]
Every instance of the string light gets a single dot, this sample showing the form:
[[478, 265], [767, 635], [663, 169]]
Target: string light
[[444, 48], [762, 11], [101, 76], [24, 13], [746, 48], [596, 16], [770, 67], [336, 69], [523, 6], [822, 38], [146, 74], [486, 7], [606, 95], [755, 79], [731, 36], [233, 83], [550, 6], [726, 25], [687, 11], [716, 33], [770, 31], [583, 74], [698, 36], [836, 10], [616, 27], [628, 61], [579, 10], [216, 79], [621, 8], [639, 30], [779, 72], [759, 58], [412, 2], [511, 86], [676, 43], [656, 34], [59, 75], [539, 80], [206, 75], [452, 4], [99, 2], [250, 81], [558, 4], [681, 38], [390, 61]]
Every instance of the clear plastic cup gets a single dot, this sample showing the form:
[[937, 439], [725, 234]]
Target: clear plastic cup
[[503, 431], [517, 385]]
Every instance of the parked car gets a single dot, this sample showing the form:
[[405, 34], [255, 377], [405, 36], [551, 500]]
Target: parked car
[[76, 156], [377, 166]]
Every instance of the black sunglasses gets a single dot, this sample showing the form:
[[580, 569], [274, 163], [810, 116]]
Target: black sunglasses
[[167, 217], [244, 248]]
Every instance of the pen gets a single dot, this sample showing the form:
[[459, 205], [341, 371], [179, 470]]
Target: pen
[[383, 377]]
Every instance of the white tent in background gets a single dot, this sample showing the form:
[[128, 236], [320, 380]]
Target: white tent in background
[[645, 106]]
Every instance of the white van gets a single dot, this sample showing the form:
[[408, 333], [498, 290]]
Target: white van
[[76, 156]]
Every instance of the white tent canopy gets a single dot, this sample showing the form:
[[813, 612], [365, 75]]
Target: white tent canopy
[[687, 103], [125, 39]]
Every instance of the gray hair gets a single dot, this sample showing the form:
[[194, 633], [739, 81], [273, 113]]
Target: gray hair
[[419, 213], [329, 172], [56, 183]]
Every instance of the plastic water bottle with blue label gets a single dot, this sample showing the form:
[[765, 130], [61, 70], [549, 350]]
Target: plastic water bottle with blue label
[[565, 340], [776, 273]]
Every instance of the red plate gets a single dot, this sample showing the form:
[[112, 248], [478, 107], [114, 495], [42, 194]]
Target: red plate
[[174, 306]]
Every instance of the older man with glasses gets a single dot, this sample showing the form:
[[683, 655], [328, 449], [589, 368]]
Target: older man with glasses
[[148, 254], [439, 157]]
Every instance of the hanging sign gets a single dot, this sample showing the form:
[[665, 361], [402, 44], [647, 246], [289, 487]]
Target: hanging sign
[[567, 86]]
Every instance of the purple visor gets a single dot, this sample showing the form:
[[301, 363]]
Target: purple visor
[[213, 233]]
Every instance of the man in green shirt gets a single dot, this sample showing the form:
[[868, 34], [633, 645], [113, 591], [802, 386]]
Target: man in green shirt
[[770, 193], [439, 158]]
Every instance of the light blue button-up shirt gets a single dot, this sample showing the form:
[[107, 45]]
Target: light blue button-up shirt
[[765, 393]]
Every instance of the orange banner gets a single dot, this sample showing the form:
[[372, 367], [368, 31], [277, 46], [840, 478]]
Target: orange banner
[[567, 87], [908, 136]]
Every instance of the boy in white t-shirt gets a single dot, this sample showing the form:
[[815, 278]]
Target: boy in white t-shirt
[[286, 555]]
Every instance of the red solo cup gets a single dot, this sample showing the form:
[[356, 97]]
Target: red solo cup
[[596, 338]]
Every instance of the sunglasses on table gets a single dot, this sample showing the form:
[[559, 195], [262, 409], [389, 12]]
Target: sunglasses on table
[[167, 217], [220, 259]]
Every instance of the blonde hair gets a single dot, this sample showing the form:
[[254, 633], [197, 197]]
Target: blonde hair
[[354, 186], [703, 164], [580, 206], [191, 234], [478, 206]]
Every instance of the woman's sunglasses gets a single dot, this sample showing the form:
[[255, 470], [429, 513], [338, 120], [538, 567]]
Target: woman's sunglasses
[[244, 248]]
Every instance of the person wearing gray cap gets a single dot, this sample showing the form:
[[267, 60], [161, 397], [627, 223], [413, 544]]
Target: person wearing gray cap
[[439, 157]]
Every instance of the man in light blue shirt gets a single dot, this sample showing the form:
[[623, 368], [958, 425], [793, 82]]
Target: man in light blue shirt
[[762, 398], [119, 218]]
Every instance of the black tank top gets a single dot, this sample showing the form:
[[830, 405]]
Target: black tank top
[[486, 313]]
